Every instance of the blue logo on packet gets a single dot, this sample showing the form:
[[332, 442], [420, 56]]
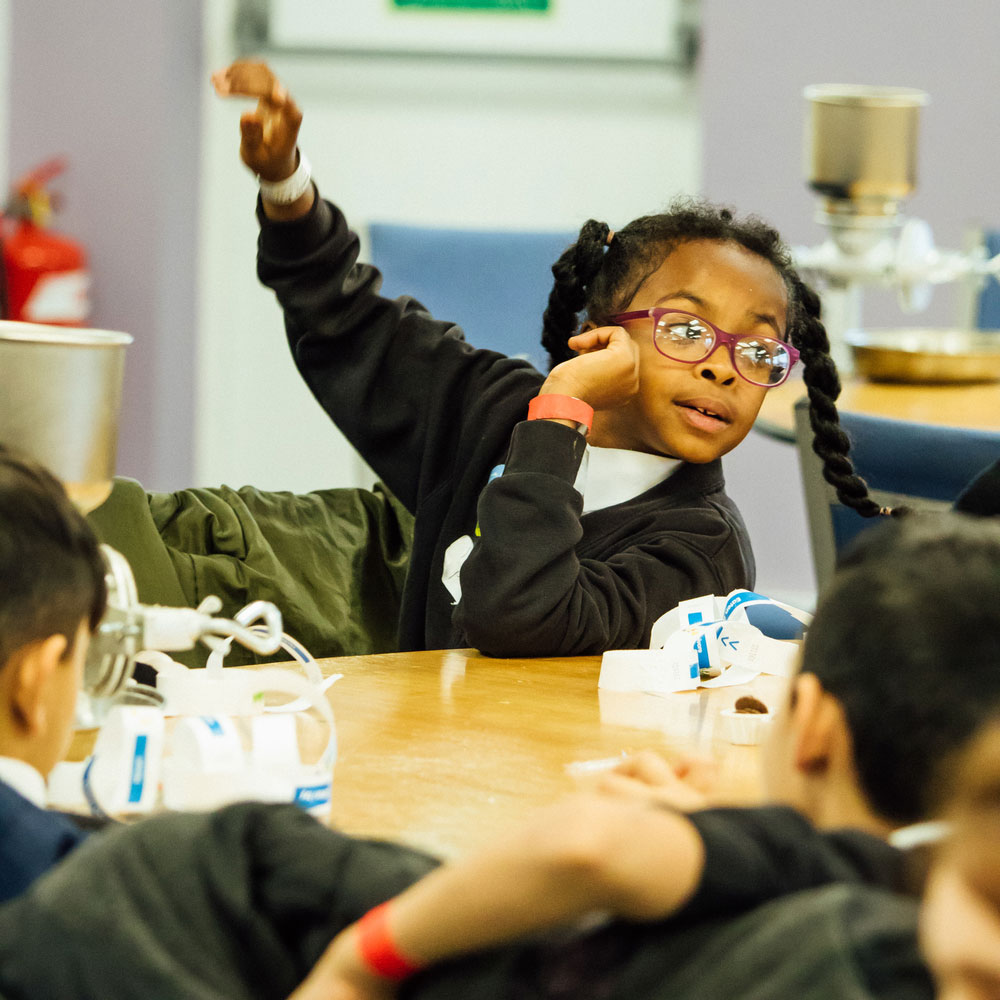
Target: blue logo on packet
[[774, 621], [741, 597], [138, 769], [701, 647], [311, 796]]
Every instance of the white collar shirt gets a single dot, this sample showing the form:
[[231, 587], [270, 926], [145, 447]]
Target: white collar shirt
[[24, 779], [610, 476]]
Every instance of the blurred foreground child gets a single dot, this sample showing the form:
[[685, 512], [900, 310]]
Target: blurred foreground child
[[610, 896], [960, 923]]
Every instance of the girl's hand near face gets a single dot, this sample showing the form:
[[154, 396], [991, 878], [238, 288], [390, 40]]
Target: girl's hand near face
[[605, 372]]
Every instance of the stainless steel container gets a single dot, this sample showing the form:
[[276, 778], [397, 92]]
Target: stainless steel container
[[861, 146], [60, 396]]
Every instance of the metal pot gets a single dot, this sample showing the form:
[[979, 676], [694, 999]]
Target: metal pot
[[861, 146], [60, 396], [926, 356]]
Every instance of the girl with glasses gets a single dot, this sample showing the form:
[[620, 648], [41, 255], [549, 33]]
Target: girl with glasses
[[555, 514]]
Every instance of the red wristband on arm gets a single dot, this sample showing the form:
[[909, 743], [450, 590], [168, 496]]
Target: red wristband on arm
[[377, 949], [556, 407]]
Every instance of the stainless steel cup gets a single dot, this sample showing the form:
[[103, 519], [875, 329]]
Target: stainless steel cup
[[861, 146], [60, 397]]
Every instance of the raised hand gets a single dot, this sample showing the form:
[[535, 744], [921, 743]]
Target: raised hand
[[268, 134]]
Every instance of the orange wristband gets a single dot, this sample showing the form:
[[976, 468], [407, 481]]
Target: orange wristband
[[555, 407], [377, 949]]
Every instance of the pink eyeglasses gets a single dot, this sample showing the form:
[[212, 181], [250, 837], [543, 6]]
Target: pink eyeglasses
[[683, 336]]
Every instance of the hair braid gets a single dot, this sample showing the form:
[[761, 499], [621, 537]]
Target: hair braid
[[830, 441], [573, 272]]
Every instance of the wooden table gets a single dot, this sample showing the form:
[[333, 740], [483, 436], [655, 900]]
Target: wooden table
[[442, 749], [975, 405]]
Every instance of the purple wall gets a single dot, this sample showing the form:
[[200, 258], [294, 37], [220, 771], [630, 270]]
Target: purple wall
[[757, 58], [117, 88]]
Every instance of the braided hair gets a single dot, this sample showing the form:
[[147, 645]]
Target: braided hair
[[601, 273]]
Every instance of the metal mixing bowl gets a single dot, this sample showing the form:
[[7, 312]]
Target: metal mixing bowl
[[927, 356], [60, 395]]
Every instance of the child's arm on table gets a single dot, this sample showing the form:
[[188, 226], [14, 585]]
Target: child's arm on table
[[586, 853]]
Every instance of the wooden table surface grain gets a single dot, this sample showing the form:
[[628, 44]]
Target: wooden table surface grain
[[974, 405], [443, 749]]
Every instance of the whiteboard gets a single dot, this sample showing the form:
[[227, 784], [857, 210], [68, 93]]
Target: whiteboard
[[642, 30]]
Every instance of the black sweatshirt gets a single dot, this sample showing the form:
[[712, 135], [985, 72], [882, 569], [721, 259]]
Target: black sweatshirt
[[433, 416], [240, 902]]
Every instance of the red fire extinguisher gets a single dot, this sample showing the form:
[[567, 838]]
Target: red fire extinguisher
[[45, 274]]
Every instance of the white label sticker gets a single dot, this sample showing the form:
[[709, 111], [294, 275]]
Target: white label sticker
[[61, 297], [454, 559]]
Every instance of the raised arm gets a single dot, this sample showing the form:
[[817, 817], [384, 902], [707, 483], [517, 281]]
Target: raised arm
[[584, 854], [396, 381]]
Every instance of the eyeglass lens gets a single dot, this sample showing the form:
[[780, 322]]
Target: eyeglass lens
[[758, 359]]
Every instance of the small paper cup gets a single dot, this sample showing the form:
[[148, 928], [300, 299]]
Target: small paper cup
[[744, 728]]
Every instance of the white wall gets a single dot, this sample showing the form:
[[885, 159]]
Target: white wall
[[504, 145]]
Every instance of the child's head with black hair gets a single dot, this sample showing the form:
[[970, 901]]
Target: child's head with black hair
[[52, 597], [737, 275], [904, 651]]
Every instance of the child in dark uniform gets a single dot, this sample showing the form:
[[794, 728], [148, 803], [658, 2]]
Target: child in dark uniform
[[521, 547], [52, 595], [809, 896]]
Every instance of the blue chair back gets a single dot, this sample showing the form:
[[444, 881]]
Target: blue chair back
[[493, 284], [988, 315], [924, 466]]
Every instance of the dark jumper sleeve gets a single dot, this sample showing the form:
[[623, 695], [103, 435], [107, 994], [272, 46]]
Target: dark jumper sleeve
[[397, 382], [237, 903], [755, 855]]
